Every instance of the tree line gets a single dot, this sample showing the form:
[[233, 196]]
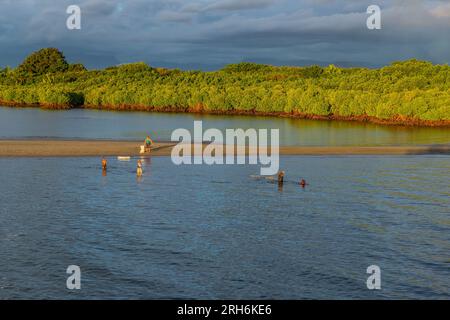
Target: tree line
[[403, 90]]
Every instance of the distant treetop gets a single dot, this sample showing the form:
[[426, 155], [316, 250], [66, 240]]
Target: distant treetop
[[246, 67], [48, 60], [76, 67]]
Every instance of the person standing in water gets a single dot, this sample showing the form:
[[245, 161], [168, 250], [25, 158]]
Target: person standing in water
[[280, 181], [139, 168], [302, 183], [280, 178], [104, 164]]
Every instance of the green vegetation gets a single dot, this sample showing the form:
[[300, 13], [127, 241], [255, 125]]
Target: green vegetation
[[47, 60], [409, 90]]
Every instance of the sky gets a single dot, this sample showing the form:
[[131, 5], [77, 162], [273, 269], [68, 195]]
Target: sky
[[208, 34]]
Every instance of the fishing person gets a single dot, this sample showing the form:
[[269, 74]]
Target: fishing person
[[139, 168], [104, 164], [280, 178], [148, 143], [303, 183]]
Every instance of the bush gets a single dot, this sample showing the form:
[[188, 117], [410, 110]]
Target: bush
[[247, 67], [77, 67], [59, 98]]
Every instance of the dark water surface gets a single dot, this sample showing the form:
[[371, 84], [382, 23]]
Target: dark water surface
[[214, 232], [93, 124]]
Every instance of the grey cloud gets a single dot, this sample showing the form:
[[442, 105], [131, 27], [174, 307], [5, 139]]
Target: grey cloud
[[442, 11], [226, 5], [208, 34], [232, 5], [98, 7], [174, 16], [336, 36]]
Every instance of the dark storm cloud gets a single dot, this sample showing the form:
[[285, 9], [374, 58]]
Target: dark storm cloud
[[205, 34]]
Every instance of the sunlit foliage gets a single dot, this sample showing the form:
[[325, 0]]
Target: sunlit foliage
[[410, 89]]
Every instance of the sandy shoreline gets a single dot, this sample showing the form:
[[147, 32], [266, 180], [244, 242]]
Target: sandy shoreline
[[98, 148]]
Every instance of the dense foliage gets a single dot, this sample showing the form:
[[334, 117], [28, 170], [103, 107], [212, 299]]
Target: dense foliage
[[46, 60], [404, 90]]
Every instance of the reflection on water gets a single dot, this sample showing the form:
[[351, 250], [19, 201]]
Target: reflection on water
[[93, 124], [215, 232]]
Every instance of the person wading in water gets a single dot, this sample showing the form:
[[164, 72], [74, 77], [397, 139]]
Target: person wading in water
[[104, 164], [302, 183], [280, 178], [139, 168]]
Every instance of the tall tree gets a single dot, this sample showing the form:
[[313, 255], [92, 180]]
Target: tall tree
[[48, 60]]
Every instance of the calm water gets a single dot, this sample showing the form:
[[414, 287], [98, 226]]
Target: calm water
[[214, 232], [93, 124]]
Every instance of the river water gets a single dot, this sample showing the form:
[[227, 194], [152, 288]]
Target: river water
[[216, 232], [93, 124]]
